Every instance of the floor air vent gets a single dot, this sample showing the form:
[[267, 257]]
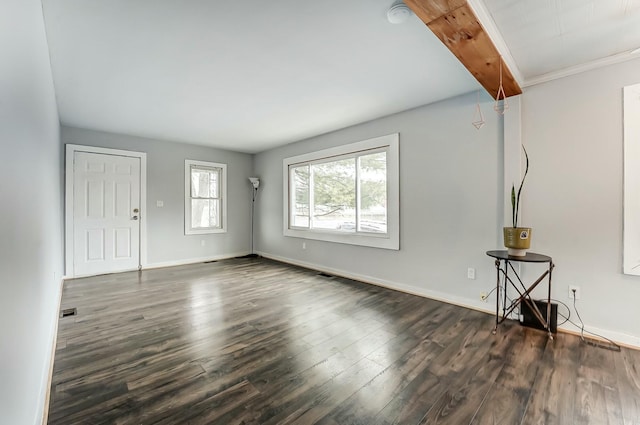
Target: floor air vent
[[69, 312]]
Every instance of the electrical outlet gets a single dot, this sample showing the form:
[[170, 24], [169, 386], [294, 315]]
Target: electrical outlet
[[471, 273], [203, 242], [304, 245], [573, 288], [483, 297]]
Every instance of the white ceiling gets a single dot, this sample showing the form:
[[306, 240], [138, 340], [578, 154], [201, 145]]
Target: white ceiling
[[556, 37], [246, 75], [252, 75]]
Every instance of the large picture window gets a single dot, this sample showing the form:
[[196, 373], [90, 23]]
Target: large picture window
[[347, 194], [205, 193]]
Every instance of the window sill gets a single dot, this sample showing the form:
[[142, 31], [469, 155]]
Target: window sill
[[204, 231], [386, 241]]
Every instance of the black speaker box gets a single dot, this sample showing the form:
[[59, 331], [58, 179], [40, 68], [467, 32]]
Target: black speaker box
[[529, 319]]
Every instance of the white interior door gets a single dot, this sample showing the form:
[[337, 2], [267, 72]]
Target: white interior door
[[106, 213]]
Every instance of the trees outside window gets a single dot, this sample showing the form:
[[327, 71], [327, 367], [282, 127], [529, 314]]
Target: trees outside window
[[345, 191], [205, 203]]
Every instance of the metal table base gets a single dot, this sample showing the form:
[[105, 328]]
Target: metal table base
[[504, 264]]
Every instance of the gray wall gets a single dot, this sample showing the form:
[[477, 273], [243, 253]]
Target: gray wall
[[30, 212], [450, 212], [166, 241], [452, 199], [572, 128], [451, 202]]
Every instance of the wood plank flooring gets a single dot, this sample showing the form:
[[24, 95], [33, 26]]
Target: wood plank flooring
[[252, 341]]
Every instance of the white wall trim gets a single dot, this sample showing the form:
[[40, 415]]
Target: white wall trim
[[194, 260], [71, 149], [402, 287], [391, 240], [489, 25], [583, 67], [81, 275], [630, 341], [54, 343], [183, 262], [623, 339], [188, 163], [486, 21]]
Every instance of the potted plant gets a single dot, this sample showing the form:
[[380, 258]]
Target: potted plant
[[517, 240]]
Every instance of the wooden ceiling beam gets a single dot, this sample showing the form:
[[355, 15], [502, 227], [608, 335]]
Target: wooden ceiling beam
[[456, 25]]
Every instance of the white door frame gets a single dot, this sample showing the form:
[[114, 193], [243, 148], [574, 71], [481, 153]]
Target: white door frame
[[68, 197]]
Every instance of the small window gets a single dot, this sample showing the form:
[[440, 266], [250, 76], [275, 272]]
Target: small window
[[348, 194], [205, 197]]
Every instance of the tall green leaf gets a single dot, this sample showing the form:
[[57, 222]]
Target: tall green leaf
[[517, 200], [513, 205]]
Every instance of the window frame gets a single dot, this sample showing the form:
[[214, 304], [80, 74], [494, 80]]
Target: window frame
[[388, 240], [188, 165]]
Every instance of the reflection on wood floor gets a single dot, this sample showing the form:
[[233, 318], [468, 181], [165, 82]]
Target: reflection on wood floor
[[252, 341]]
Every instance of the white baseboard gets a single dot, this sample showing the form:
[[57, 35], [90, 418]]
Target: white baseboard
[[182, 262], [193, 260], [54, 339], [626, 340], [620, 338], [402, 287]]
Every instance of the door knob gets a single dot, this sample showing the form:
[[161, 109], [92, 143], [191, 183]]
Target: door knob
[[135, 210], [135, 217]]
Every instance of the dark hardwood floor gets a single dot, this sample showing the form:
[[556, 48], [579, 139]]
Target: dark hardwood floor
[[252, 341]]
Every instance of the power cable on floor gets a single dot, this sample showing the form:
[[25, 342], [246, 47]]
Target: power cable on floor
[[609, 345]]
